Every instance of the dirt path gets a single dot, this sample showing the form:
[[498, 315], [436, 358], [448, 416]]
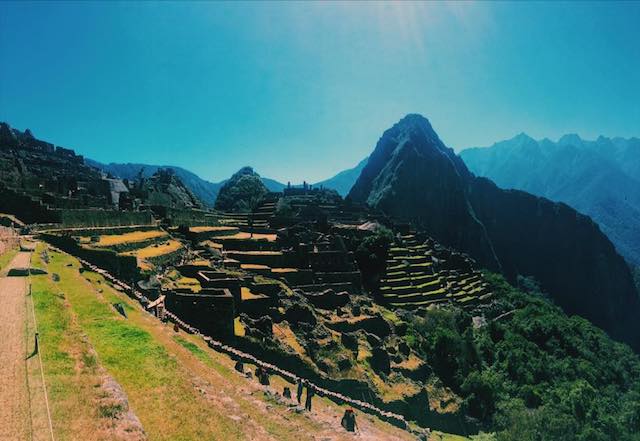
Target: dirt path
[[14, 408]]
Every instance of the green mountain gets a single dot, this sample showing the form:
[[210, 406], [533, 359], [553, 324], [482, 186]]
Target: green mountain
[[599, 178], [242, 192], [412, 175]]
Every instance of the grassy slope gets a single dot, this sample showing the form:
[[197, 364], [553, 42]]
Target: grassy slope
[[7, 257], [70, 367], [179, 389]]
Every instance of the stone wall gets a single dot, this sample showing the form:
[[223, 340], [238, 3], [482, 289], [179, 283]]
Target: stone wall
[[185, 217], [123, 267], [24, 208], [212, 311], [103, 218], [219, 280]]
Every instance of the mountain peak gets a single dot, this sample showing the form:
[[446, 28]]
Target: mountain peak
[[246, 170], [570, 139], [415, 121], [522, 137], [416, 129]]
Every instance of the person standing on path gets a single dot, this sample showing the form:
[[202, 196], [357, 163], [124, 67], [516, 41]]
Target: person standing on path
[[310, 393], [349, 421], [300, 389]]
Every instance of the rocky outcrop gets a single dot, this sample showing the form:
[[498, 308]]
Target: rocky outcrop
[[165, 189], [328, 299], [412, 175]]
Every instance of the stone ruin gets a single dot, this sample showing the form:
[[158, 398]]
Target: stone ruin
[[210, 310]]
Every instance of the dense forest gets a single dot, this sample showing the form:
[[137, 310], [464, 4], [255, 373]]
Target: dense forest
[[529, 372]]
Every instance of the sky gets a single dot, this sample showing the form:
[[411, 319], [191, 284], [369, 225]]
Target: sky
[[305, 90]]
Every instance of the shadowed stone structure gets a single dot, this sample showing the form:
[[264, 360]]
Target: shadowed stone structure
[[211, 310]]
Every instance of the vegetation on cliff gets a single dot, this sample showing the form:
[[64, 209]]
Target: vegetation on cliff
[[413, 176], [371, 256], [242, 192], [529, 372]]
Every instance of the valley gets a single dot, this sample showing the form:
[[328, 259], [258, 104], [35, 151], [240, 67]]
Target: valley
[[155, 313]]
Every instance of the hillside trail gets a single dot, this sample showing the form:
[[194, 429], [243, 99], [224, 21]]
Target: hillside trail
[[14, 395]]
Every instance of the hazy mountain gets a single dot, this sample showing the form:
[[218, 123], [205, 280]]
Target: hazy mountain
[[600, 178], [271, 184], [207, 191], [412, 175], [343, 181]]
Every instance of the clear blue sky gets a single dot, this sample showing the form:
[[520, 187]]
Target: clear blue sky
[[303, 90]]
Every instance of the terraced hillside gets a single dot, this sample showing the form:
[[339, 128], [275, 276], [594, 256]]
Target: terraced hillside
[[418, 275], [118, 373], [283, 281], [40, 182], [295, 294]]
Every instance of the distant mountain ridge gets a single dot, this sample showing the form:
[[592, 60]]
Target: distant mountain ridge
[[204, 190], [207, 191], [412, 175], [343, 181], [600, 178]]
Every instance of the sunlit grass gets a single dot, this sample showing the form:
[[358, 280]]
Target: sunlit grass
[[7, 257], [245, 236], [133, 237], [156, 250], [205, 229], [159, 391]]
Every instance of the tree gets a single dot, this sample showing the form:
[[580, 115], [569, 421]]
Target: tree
[[371, 256]]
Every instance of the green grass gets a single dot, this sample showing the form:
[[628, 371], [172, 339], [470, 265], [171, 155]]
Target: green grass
[[70, 367], [159, 370], [158, 391], [193, 348], [439, 436], [7, 257], [390, 316]]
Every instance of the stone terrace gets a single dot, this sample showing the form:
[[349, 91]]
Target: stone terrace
[[420, 274]]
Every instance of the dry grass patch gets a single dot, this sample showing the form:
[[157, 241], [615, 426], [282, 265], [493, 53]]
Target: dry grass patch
[[238, 328], [205, 229], [245, 236], [284, 270], [285, 335], [390, 391], [210, 244], [256, 253], [155, 250], [254, 266], [189, 283], [133, 237], [246, 294]]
